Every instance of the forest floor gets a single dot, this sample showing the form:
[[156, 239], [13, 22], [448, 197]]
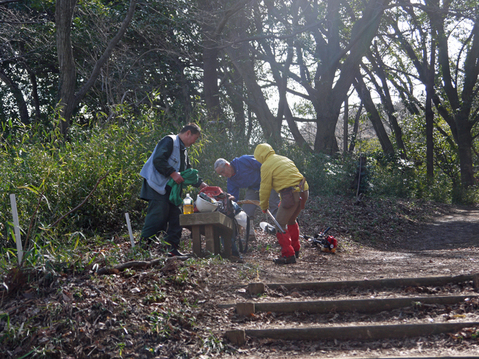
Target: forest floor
[[182, 309]]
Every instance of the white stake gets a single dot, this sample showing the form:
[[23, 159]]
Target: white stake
[[129, 229], [16, 228]]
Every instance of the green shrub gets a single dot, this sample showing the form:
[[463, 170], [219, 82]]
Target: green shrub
[[97, 169], [325, 175]]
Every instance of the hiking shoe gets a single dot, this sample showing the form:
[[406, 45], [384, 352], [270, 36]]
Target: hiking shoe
[[296, 254], [236, 259], [285, 260], [175, 253]]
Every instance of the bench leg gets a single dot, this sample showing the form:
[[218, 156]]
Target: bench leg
[[196, 238], [227, 243], [210, 239], [217, 241], [213, 244]]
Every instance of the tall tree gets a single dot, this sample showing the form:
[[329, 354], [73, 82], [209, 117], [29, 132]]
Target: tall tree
[[230, 70], [313, 50], [374, 116], [69, 95], [379, 72], [449, 73], [456, 101], [25, 59]]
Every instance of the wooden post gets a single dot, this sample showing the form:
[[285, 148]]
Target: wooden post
[[227, 237], [475, 279], [255, 288], [16, 226], [196, 238], [237, 337], [210, 239], [130, 232], [245, 308], [365, 332], [359, 305], [374, 283]]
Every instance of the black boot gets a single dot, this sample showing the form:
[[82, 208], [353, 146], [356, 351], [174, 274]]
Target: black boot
[[285, 260]]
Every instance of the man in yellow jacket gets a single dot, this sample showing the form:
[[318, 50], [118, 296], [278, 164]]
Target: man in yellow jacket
[[282, 175]]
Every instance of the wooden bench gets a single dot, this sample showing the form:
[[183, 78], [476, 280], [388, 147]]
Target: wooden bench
[[212, 225]]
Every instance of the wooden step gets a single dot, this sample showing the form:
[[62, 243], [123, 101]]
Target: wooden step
[[411, 357], [375, 305], [365, 332], [349, 331], [255, 288]]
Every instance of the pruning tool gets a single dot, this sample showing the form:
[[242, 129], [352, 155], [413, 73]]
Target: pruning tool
[[249, 201]]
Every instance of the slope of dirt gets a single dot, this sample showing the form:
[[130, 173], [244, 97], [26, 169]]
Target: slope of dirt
[[181, 309]]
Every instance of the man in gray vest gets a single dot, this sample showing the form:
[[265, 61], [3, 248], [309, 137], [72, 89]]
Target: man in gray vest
[[169, 158]]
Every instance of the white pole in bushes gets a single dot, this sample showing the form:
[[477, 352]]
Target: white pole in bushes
[[129, 229], [16, 228]]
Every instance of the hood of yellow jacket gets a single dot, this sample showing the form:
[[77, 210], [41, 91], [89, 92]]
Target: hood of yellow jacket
[[262, 152]]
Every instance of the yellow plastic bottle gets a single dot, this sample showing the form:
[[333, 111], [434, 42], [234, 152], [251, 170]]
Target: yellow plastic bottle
[[188, 205]]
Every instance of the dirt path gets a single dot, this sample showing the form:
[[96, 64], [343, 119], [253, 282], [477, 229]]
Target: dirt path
[[447, 245], [459, 229]]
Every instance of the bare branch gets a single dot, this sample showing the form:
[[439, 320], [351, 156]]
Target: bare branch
[[106, 55], [4, 2]]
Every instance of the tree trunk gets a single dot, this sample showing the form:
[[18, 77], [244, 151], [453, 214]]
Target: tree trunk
[[345, 126], [293, 127], [464, 143], [326, 120], [256, 100], [329, 98], [355, 129], [235, 91], [460, 104], [429, 136], [212, 27], [383, 91], [235, 88], [210, 79], [17, 93], [68, 100], [36, 99], [374, 116], [430, 74], [63, 21]]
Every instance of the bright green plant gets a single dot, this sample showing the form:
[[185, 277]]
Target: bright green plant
[[121, 347]]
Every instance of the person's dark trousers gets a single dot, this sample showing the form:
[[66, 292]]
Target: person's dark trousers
[[162, 215]]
